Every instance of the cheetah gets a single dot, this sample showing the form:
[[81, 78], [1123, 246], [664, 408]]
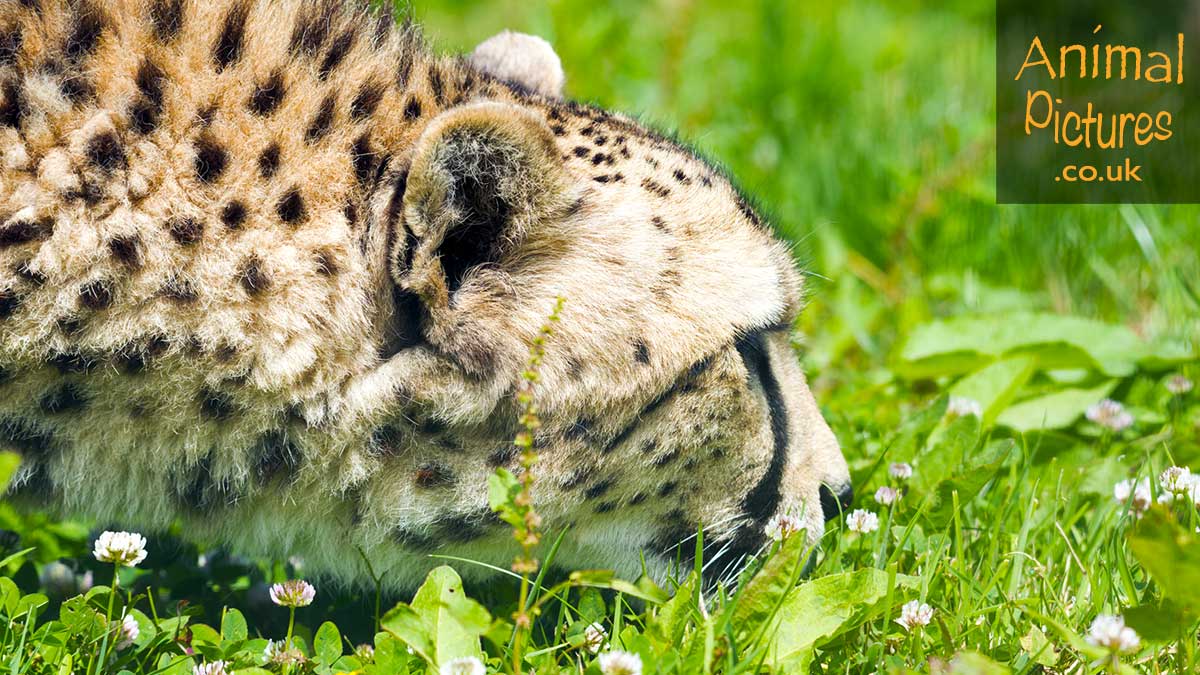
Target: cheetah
[[271, 269]]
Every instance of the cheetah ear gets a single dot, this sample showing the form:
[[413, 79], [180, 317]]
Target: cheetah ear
[[527, 60], [482, 175]]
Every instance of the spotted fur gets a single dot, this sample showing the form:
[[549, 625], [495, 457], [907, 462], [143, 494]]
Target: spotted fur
[[271, 268]]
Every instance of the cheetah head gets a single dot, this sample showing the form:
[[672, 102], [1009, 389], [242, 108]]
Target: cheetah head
[[670, 396]]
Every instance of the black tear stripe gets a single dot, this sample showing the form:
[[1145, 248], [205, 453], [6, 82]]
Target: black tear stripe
[[763, 499]]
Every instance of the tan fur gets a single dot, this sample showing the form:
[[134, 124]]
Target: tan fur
[[323, 357]]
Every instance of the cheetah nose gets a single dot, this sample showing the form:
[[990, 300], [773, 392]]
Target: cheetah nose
[[834, 505]]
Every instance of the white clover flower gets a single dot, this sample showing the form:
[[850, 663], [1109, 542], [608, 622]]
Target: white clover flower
[[1190, 489], [1135, 492], [277, 653], [620, 663], [900, 470], [1110, 415], [128, 631], [463, 665], [121, 548], [210, 668], [781, 526], [887, 495], [594, 637], [365, 652], [915, 613], [1175, 479], [1178, 384], [862, 521], [1110, 632], [961, 406], [294, 593]]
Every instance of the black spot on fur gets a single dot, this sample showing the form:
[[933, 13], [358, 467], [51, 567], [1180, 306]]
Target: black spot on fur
[[268, 161], [600, 158], [104, 151], [580, 430], [291, 208], [558, 130], [150, 79], [143, 116], [180, 290], [253, 277], [364, 159], [667, 488], [582, 151], [166, 16], [437, 85], [404, 68], [135, 356], [17, 232], [27, 439], [211, 159], [655, 188], [267, 96], [681, 177], [10, 46], [412, 109], [598, 489], [588, 130], [70, 325], [413, 540], [228, 48], [366, 101], [467, 527], [234, 214], [67, 397], [665, 458], [312, 28], [9, 302], [337, 52], [95, 295], [433, 474], [75, 87], [660, 223], [72, 362], [27, 273], [503, 456], [326, 263], [216, 405], [146, 109], [186, 230], [319, 127], [600, 139], [87, 27], [275, 453], [127, 250], [203, 493], [641, 351], [14, 108]]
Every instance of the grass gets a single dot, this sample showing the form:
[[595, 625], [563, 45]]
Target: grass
[[866, 130]]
